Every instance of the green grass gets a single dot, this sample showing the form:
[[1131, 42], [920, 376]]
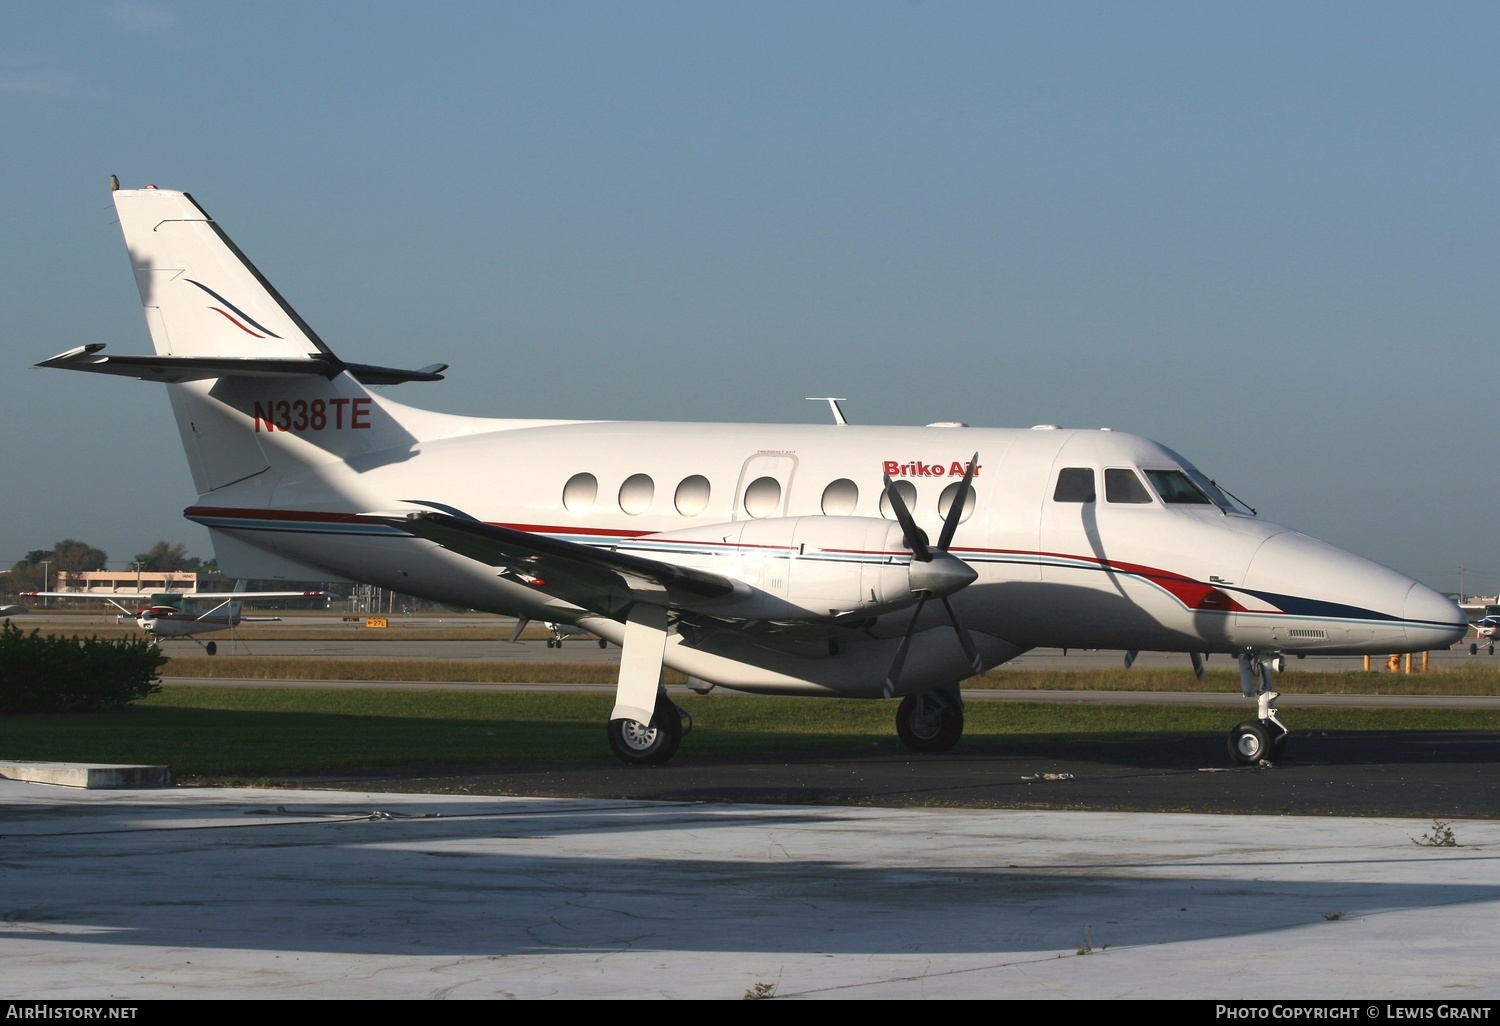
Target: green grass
[[460, 671], [256, 733], [1481, 678]]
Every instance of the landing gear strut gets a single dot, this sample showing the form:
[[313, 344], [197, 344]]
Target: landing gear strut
[[650, 744], [1261, 740], [932, 721]]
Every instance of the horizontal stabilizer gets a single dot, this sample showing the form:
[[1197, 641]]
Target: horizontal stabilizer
[[596, 579], [197, 368]]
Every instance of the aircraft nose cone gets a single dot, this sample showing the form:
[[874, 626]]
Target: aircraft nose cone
[[1294, 568], [1384, 610], [1433, 618]]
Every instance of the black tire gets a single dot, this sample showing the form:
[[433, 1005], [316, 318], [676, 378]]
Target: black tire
[[603, 643], [1473, 648], [932, 721], [1249, 743], [1492, 649], [637, 744], [211, 647]]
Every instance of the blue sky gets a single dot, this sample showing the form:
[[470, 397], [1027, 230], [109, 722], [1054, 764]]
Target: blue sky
[[1263, 234]]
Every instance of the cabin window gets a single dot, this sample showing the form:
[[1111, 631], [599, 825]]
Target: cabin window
[[945, 502], [692, 495], [840, 498], [580, 492], [1176, 488], [636, 493], [1075, 484], [908, 492], [1123, 486], [763, 497]]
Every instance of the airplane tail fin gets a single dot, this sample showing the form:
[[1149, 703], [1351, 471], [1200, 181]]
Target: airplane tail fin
[[253, 387], [202, 297]]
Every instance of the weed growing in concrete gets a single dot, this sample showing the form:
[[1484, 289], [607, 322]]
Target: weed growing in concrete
[[1440, 836]]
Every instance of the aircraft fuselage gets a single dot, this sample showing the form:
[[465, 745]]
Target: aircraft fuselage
[[1053, 571]]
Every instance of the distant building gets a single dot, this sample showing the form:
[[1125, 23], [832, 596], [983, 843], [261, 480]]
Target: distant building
[[108, 582]]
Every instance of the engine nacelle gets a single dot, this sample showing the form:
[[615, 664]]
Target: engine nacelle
[[797, 568]]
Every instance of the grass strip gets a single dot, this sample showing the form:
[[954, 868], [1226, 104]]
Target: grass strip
[[258, 733], [1481, 678]]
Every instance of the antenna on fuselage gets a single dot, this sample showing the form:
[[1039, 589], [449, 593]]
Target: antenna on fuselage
[[833, 404]]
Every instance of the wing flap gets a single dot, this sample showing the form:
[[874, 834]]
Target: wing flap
[[597, 579]]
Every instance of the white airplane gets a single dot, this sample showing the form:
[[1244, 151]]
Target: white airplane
[[559, 631], [1484, 633], [567, 630], [165, 614], [765, 558]]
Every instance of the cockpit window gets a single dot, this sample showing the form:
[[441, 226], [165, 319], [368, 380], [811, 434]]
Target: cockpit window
[[1214, 492], [1177, 489], [1074, 484], [1122, 485]]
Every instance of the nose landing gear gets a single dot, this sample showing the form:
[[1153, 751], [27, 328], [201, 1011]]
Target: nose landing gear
[[1261, 740]]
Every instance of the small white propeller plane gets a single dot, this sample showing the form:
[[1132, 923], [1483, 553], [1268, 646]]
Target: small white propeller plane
[[765, 558], [166, 613], [1484, 634]]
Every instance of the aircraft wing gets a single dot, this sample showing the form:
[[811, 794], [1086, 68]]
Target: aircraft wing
[[97, 595], [146, 596], [596, 579]]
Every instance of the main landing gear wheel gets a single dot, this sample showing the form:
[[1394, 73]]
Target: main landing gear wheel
[[932, 721], [211, 647], [648, 744], [1473, 648], [1252, 741]]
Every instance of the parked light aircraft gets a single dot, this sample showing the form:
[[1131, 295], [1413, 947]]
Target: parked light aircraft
[[165, 614], [765, 558], [1484, 632], [561, 631]]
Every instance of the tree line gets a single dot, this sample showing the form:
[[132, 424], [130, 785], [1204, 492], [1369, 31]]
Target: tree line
[[70, 555]]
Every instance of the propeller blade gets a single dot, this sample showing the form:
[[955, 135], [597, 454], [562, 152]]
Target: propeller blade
[[916, 538], [934, 572], [964, 640], [1130, 657], [956, 511], [1198, 659], [894, 673]]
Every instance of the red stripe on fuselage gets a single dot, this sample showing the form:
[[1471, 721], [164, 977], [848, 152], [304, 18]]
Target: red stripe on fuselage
[[1192, 594]]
